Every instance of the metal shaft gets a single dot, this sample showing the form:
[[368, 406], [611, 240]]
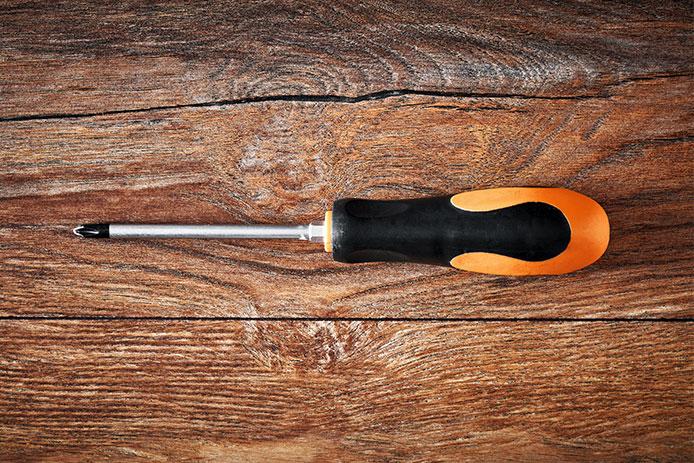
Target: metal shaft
[[311, 232]]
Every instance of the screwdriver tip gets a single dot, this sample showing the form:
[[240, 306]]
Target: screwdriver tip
[[92, 230]]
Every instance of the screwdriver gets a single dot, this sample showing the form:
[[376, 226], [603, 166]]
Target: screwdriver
[[500, 231]]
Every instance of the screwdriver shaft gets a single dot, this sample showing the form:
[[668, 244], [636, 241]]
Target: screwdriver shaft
[[311, 232]]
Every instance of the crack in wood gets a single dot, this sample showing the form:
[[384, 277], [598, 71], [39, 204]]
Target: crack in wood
[[328, 98], [346, 99]]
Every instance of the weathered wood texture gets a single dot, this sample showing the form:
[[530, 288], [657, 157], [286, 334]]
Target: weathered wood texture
[[338, 391], [86, 57], [266, 111], [286, 161]]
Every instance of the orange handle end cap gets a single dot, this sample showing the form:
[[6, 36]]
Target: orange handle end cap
[[590, 231]]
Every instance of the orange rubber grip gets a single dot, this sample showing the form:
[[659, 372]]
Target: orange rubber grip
[[590, 230]]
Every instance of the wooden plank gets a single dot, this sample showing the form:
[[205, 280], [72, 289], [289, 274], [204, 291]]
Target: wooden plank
[[287, 161], [90, 57], [345, 391]]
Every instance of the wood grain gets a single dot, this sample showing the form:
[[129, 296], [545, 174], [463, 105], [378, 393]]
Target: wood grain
[[277, 162], [267, 111], [339, 391], [81, 57]]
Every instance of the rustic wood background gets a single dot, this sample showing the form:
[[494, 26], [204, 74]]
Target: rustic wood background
[[267, 111]]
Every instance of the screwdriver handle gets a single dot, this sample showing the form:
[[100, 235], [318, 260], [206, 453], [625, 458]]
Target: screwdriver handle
[[501, 231]]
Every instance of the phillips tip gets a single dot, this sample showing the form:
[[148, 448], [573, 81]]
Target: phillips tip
[[92, 230]]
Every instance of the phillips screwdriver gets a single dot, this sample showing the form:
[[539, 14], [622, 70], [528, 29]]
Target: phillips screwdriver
[[500, 231]]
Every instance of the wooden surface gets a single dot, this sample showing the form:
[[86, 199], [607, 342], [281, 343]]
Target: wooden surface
[[346, 391], [273, 162], [91, 57], [266, 112]]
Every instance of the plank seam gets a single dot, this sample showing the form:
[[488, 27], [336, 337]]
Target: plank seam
[[353, 319]]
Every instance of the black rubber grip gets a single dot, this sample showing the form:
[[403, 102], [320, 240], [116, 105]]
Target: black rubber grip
[[434, 231]]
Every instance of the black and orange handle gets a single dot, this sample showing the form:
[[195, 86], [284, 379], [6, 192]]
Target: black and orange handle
[[501, 231]]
